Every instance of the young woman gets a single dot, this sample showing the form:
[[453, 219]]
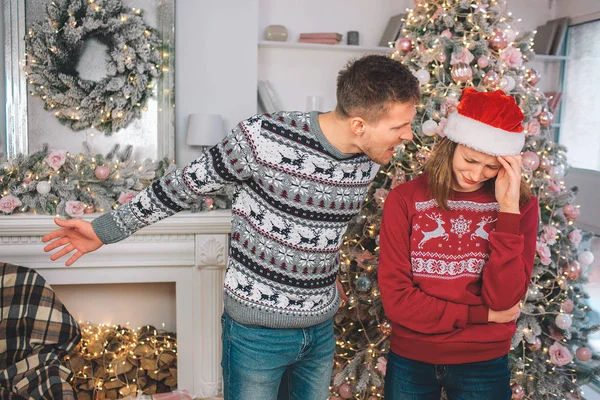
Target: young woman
[[457, 250]]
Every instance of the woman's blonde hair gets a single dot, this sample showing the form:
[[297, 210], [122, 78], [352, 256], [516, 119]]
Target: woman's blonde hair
[[440, 176]]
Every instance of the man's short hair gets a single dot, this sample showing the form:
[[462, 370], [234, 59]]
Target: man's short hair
[[367, 87]]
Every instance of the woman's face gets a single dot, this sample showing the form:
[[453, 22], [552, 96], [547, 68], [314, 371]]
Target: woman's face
[[471, 168]]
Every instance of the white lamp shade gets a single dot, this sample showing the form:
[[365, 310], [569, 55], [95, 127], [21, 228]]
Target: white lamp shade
[[204, 130]]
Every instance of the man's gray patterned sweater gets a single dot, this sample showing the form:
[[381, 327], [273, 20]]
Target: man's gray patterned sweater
[[294, 196]]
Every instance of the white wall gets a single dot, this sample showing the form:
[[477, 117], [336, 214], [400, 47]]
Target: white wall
[[215, 63], [576, 8], [106, 304]]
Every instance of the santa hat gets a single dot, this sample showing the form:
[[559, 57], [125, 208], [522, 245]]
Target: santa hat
[[490, 122]]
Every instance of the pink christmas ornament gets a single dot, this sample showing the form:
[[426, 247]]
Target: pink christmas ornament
[[532, 76], [568, 305], [536, 345], [101, 172], [483, 61], [518, 392], [345, 391], [545, 164], [461, 73], [208, 202], [531, 160], [584, 353], [404, 45], [586, 258], [498, 41], [491, 79], [572, 270], [545, 118], [442, 57], [571, 212]]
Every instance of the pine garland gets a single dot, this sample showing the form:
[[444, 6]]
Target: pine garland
[[55, 182], [53, 48]]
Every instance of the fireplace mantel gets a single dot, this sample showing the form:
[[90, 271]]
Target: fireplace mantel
[[189, 249]]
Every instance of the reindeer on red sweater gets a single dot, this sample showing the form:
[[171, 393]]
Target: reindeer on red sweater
[[480, 232], [437, 232]]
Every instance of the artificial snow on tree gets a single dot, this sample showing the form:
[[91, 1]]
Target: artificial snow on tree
[[450, 45], [53, 48]]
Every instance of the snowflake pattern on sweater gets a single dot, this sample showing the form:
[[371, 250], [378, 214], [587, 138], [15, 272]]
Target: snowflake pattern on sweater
[[294, 196], [443, 235]]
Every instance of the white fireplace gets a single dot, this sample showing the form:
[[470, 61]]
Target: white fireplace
[[188, 249]]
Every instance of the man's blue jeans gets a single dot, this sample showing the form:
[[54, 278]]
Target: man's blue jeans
[[255, 359], [414, 380]]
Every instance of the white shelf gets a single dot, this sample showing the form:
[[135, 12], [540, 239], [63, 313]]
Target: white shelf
[[319, 46], [546, 57]]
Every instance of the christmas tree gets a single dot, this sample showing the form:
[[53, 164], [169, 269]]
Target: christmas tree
[[450, 45]]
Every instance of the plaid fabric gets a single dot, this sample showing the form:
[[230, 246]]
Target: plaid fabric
[[36, 330]]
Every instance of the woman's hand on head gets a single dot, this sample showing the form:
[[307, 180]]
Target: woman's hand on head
[[508, 184]]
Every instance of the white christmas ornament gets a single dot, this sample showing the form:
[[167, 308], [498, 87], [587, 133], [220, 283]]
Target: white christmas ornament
[[423, 76], [43, 187], [511, 35], [586, 258], [557, 172], [563, 321], [507, 83], [429, 127]]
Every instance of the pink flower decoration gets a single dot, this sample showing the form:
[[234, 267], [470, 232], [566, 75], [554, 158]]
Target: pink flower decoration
[[364, 256], [75, 209], [447, 34], [512, 57], [8, 203], [559, 354], [126, 197], [532, 127], [441, 126], [398, 180], [575, 236], [56, 159], [549, 234], [449, 106], [380, 196], [382, 365], [544, 252], [461, 56], [554, 186]]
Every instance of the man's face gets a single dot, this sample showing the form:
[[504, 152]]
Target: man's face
[[381, 137]]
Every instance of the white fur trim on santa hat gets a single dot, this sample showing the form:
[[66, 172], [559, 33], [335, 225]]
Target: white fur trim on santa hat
[[482, 137]]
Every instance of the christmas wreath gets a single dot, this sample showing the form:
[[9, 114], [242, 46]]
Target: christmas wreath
[[53, 48]]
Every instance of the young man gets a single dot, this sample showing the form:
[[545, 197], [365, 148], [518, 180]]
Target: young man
[[299, 179]]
